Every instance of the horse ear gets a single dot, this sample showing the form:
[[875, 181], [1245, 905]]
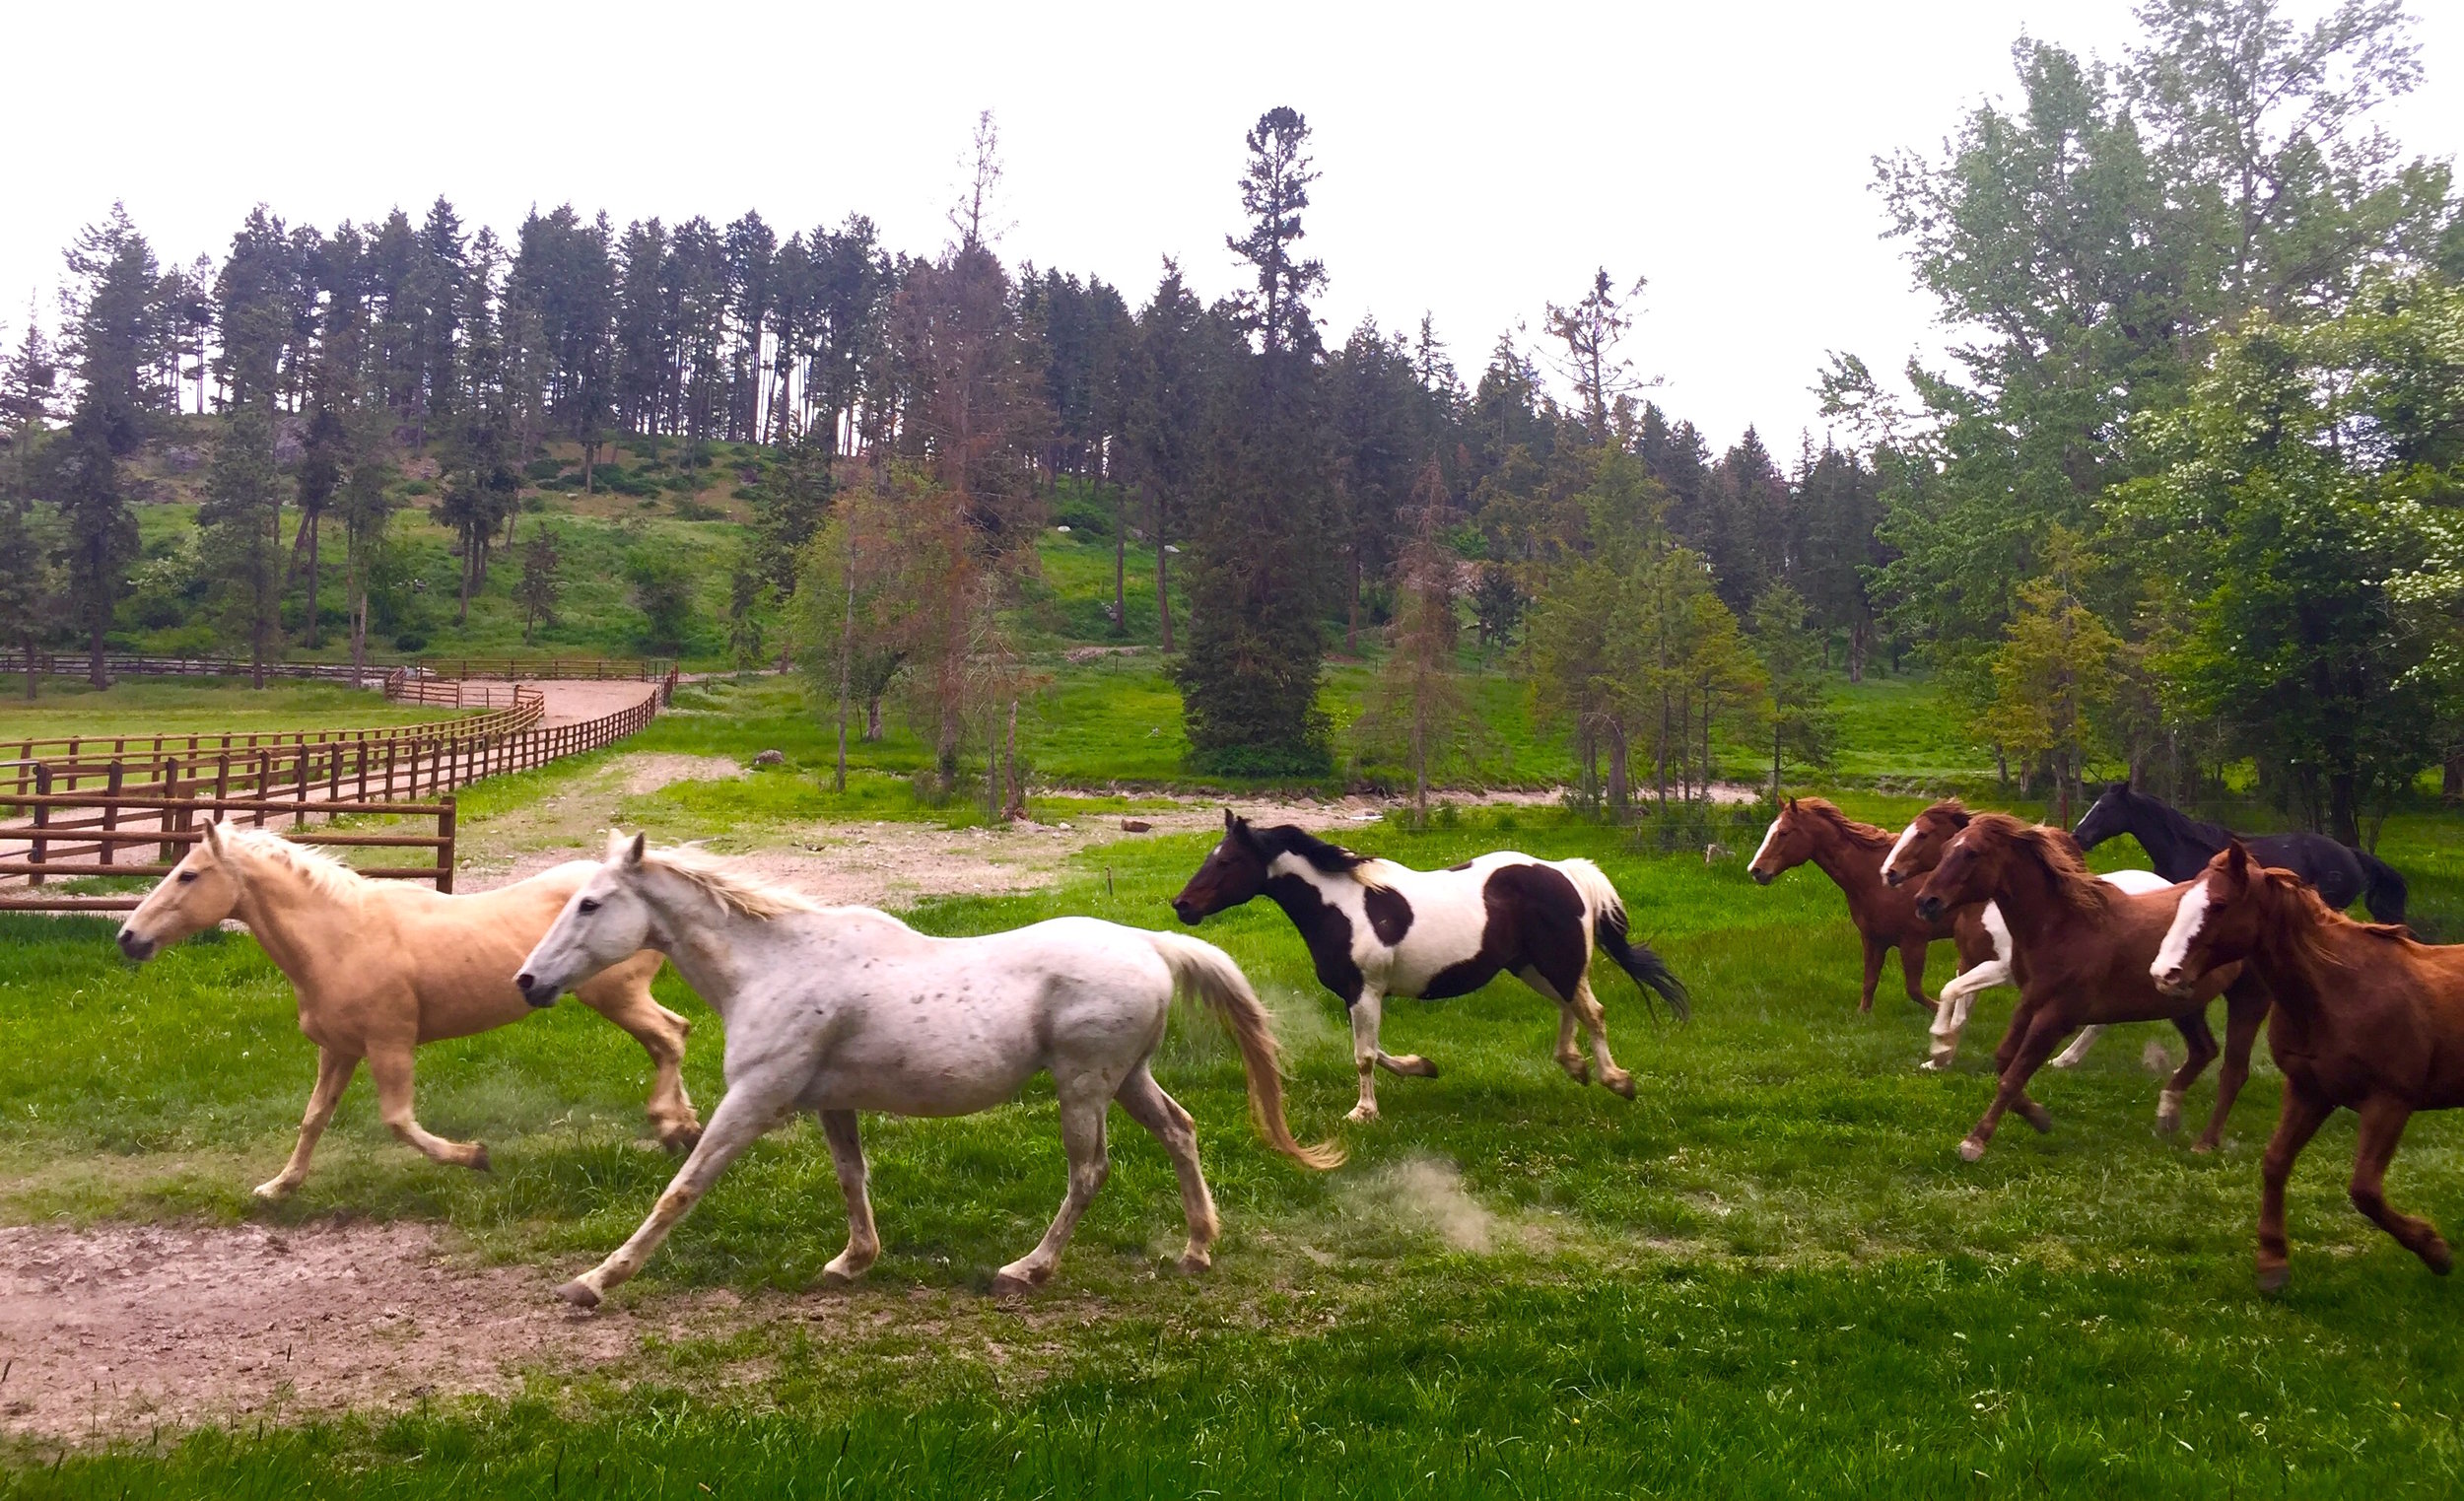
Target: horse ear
[[2237, 860], [1790, 805], [634, 850], [2112, 788], [615, 844], [214, 837], [1229, 822]]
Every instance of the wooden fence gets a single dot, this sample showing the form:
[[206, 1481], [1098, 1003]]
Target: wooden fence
[[60, 831], [180, 821], [553, 670]]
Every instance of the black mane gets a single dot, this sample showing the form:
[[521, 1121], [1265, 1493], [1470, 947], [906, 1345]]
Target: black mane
[[2181, 824], [1292, 839]]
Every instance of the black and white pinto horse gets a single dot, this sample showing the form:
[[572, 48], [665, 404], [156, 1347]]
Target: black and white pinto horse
[[2179, 846], [1376, 929]]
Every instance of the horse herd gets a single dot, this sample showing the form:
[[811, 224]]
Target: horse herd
[[837, 1010]]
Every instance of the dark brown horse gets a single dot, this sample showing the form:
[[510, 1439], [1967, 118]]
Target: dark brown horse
[[1811, 829], [2080, 952], [2365, 1017]]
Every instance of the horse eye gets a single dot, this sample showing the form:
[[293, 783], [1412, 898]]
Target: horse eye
[[589, 906], [187, 876]]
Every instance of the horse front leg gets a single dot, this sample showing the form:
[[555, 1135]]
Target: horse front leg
[[846, 1156], [2383, 1119], [748, 1110], [2070, 1057], [1912, 972], [1163, 1118], [2044, 1029], [2245, 1012], [1366, 1009], [1596, 1023], [2296, 1123], [1873, 971], [2194, 1031], [1082, 1137], [1950, 1018], [622, 995], [389, 1065], [334, 1067]]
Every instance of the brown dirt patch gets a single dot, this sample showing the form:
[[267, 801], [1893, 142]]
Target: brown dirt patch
[[117, 1328]]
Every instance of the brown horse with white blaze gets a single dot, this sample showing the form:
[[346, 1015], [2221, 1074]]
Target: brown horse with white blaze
[[1813, 830], [2080, 952], [2366, 1018], [382, 966]]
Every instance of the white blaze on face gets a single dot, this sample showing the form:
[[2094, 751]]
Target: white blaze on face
[[1896, 850], [1764, 848], [2187, 920]]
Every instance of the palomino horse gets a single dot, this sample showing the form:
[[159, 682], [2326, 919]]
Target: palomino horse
[[1375, 929], [1918, 849], [381, 967], [1811, 829], [837, 1009], [2081, 950], [2181, 846], [2365, 1017]]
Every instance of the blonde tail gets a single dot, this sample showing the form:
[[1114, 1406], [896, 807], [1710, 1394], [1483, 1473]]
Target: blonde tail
[[1208, 972]]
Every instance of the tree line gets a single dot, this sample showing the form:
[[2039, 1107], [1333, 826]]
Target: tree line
[[2183, 501]]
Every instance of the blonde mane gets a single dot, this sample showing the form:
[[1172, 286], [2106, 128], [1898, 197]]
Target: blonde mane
[[729, 887], [322, 873]]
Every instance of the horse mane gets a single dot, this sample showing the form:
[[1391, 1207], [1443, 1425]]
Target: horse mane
[[729, 887], [2303, 943], [322, 873], [1324, 857], [2215, 836], [2054, 852], [1864, 835]]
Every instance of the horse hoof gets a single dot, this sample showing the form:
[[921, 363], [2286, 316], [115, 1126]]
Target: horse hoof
[[1192, 1262], [2169, 1125], [1361, 1112], [479, 1159], [1009, 1284], [837, 1275], [1973, 1149], [1621, 1086], [2203, 1148], [1414, 1065], [273, 1190], [2438, 1258], [2274, 1278], [2036, 1116], [1936, 1064], [1580, 1072], [578, 1293], [682, 1140]]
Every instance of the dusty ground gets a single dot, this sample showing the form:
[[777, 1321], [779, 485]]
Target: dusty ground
[[578, 703]]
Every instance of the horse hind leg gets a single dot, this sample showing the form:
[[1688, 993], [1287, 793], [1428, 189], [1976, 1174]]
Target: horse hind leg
[[2194, 1030], [2043, 1029], [389, 1065], [622, 995], [1147, 1103], [334, 1068], [1569, 1056], [2383, 1119], [1616, 1080], [846, 1156], [2070, 1057], [2242, 1021], [1950, 1018], [1082, 1137]]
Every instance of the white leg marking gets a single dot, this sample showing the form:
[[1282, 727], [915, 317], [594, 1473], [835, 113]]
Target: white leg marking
[[2078, 1047]]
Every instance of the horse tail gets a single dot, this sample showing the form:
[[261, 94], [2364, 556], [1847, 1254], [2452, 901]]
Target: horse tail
[[1203, 970], [1607, 912], [2382, 887]]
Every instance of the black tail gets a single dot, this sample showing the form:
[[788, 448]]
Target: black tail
[[1647, 968], [2383, 888]]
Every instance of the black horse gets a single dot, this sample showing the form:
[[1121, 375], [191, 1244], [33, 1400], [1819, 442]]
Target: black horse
[[2180, 846]]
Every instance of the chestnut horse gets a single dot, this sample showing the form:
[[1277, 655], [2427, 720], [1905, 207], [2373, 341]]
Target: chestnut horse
[[2365, 1017], [1811, 829], [2080, 949], [1918, 850]]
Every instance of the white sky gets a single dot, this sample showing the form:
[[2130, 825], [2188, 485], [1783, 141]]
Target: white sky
[[1474, 165]]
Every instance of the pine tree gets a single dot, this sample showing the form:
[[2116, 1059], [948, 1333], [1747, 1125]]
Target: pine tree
[[1419, 700], [241, 532], [1792, 666], [539, 587], [31, 579]]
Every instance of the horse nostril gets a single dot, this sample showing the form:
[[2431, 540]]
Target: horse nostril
[[523, 981]]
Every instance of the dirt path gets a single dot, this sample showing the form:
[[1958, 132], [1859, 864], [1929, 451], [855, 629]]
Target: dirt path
[[114, 1328], [580, 703]]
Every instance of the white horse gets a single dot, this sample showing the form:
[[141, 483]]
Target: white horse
[[840, 1009]]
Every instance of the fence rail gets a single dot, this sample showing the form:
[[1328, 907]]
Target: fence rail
[[57, 830], [550, 670]]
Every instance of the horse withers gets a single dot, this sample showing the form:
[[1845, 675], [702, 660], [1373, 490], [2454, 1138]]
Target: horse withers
[[1376, 929], [840, 1009], [2179, 846], [2081, 950], [382, 966], [2366, 1017]]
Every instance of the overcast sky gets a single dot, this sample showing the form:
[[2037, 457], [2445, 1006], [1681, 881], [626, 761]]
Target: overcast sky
[[1474, 167]]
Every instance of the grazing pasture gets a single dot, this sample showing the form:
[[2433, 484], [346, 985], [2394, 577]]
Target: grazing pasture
[[1769, 1274]]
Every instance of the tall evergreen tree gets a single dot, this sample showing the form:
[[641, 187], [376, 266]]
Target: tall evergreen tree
[[240, 528]]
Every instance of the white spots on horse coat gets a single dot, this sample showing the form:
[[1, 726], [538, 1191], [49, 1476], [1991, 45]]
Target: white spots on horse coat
[[1764, 848], [2187, 920]]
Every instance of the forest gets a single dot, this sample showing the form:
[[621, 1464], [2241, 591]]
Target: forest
[[2181, 504]]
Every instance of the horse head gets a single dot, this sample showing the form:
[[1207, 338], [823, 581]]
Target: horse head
[[1970, 868], [2110, 816], [1786, 844], [2219, 920], [201, 890], [1920, 845], [605, 919], [1235, 870]]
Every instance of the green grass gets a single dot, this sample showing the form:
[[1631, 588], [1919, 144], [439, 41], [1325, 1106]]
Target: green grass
[[1769, 1274], [164, 705]]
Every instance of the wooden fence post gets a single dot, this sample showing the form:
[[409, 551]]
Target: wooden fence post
[[172, 818], [445, 851], [43, 816], [111, 813]]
